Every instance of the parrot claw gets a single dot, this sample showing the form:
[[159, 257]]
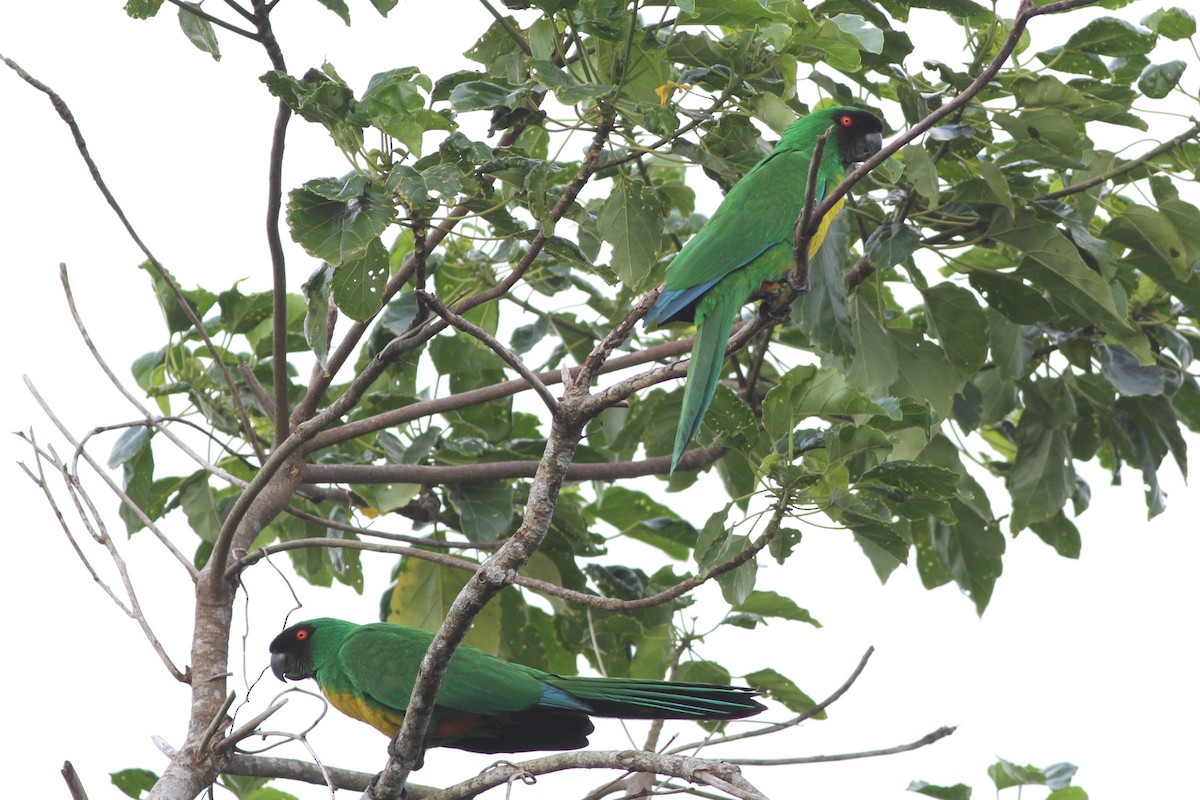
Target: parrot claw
[[799, 287], [775, 318]]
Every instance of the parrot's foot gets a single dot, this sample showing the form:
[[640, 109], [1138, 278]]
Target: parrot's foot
[[799, 287], [776, 318]]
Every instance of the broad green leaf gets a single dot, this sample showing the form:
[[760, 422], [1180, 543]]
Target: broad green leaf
[[781, 689], [198, 30], [920, 170], [485, 510], [423, 594], [133, 782], [960, 325], [1157, 80], [874, 365], [924, 371], [958, 791], [337, 230], [1005, 774], [631, 221], [142, 9], [1173, 23], [359, 283], [772, 604], [317, 291], [1060, 533], [808, 391], [1053, 262], [1150, 231], [891, 244], [338, 7], [822, 312], [636, 515], [1110, 36], [129, 444]]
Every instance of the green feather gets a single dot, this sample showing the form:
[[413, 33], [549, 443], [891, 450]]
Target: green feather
[[485, 704], [748, 242]]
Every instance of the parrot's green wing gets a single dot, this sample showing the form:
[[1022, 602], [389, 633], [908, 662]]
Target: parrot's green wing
[[381, 661], [759, 211]]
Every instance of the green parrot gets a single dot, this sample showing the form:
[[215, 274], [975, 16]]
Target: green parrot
[[748, 243], [485, 704]]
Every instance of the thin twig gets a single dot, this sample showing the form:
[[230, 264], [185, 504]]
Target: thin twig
[[927, 739], [64, 112], [496, 346]]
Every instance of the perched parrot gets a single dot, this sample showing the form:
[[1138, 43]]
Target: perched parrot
[[485, 704], [748, 243]]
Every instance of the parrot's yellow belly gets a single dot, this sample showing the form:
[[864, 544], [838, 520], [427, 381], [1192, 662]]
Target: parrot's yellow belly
[[379, 717]]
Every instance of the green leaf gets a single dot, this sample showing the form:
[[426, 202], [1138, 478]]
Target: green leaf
[[737, 584], [198, 30], [317, 291], [631, 221], [1157, 80], [1053, 262], [359, 283], [423, 594], [958, 791], [869, 37], [1150, 231], [321, 96], [808, 391], [133, 782], [916, 478], [338, 7], [1060, 533], [1042, 478], [924, 371], [920, 170], [636, 515], [960, 325], [891, 244], [129, 444], [1173, 23], [782, 689], [1109, 36], [334, 227], [485, 510], [1006, 774], [874, 365], [142, 9], [1128, 376], [200, 300], [771, 604]]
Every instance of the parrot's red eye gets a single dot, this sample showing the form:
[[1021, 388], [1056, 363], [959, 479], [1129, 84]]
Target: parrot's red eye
[[847, 121], [301, 635]]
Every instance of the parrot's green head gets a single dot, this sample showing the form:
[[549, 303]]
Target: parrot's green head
[[292, 652]]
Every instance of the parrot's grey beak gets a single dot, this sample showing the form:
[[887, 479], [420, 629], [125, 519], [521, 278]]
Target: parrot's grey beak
[[279, 666], [874, 143]]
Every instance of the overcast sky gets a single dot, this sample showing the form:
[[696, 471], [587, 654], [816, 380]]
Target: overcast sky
[[1090, 662]]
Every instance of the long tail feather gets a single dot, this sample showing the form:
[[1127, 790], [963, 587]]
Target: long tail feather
[[708, 355], [637, 699]]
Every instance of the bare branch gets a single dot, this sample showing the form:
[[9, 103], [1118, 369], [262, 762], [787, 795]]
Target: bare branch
[[720, 775], [495, 345], [74, 784], [927, 739], [499, 470], [65, 113], [295, 770], [806, 714]]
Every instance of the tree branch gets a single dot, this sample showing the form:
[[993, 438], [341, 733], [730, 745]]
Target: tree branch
[[721, 775]]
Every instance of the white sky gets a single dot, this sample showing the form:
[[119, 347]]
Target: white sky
[[1088, 662]]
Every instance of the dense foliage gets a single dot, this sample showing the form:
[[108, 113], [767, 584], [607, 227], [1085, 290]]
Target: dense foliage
[[1001, 299]]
